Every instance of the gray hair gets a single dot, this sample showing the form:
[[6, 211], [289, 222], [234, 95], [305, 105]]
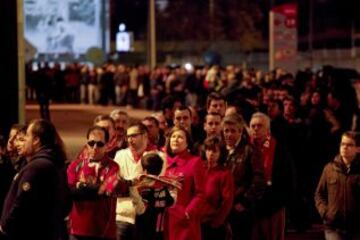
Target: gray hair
[[116, 112], [263, 116], [234, 119]]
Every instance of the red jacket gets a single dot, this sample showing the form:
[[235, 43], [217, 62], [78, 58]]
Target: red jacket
[[92, 215], [219, 195], [190, 198]]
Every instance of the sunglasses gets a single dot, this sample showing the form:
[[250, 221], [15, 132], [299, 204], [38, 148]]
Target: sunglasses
[[99, 144]]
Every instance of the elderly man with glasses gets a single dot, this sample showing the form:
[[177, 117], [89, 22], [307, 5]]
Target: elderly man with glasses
[[92, 181]]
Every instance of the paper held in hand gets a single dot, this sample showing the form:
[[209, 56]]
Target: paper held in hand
[[169, 181]]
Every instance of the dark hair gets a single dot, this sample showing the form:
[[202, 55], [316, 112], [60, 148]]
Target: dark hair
[[48, 136], [335, 94], [22, 129], [17, 126], [234, 119], [212, 114], [322, 96], [104, 117], [97, 128], [189, 140], [184, 108], [353, 135], [152, 119], [2, 142], [292, 100], [142, 128], [152, 163], [214, 96], [213, 143], [167, 103], [278, 103]]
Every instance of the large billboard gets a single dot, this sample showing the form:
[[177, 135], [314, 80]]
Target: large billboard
[[66, 26]]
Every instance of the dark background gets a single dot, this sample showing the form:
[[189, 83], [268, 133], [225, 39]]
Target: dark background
[[189, 20], [9, 66]]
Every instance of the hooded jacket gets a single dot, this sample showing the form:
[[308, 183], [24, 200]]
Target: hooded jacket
[[38, 199]]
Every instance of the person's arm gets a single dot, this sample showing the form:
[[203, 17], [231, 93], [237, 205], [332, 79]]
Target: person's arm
[[80, 190], [227, 197], [194, 207], [257, 183], [321, 194], [169, 198], [28, 191], [85, 191], [137, 201]]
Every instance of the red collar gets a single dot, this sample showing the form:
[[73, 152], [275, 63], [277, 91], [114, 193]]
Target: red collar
[[179, 159], [137, 156]]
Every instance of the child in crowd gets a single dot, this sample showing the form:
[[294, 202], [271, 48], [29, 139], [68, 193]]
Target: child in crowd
[[219, 191], [157, 197]]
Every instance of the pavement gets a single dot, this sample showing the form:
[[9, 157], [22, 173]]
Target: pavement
[[73, 120]]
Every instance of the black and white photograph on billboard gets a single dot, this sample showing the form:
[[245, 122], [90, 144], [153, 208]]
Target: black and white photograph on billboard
[[67, 26]]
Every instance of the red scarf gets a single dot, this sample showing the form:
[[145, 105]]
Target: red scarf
[[137, 157], [93, 172], [268, 152], [113, 144]]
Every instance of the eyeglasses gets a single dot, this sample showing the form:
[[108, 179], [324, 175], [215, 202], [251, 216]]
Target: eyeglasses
[[134, 135], [99, 144]]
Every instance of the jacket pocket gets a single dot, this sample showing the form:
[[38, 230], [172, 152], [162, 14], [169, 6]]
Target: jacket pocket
[[332, 180], [332, 188]]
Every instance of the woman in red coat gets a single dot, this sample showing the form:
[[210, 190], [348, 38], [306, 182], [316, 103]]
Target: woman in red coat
[[183, 218], [219, 191]]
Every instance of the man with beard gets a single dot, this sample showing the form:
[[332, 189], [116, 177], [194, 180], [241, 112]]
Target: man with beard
[[38, 199], [121, 120]]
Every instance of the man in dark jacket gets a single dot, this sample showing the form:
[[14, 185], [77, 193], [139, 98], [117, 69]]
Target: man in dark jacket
[[7, 171], [245, 163], [38, 199], [279, 176], [337, 196]]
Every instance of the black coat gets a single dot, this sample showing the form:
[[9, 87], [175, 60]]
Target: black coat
[[38, 199], [7, 173], [281, 191]]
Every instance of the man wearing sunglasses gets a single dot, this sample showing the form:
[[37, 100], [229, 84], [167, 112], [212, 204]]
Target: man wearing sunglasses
[[93, 212]]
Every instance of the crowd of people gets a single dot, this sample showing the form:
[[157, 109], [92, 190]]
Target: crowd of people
[[232, 154]]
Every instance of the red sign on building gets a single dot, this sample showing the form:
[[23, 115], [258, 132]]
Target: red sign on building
[[283, 37]]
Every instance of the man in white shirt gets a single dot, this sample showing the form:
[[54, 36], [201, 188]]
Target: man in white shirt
[[130, 168]]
